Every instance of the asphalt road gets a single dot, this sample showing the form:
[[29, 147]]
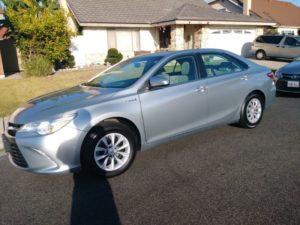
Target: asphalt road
[[224, 176]]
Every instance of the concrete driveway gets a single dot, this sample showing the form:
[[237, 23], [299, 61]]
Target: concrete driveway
[[272, 64], [224, 176]]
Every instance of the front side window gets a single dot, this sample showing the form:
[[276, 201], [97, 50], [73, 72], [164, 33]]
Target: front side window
[[219, 64], [291, 42], [126, 73], [179, 70]]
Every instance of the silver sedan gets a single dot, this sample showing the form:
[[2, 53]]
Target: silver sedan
[[135, 105]]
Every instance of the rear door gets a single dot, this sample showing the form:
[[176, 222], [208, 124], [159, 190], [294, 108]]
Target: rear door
[[226, 85]]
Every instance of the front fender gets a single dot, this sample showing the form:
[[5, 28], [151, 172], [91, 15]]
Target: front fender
[[127, 108]]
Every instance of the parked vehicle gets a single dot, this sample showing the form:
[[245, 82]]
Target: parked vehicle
[[288, 77], [135, 105], [276, 46]]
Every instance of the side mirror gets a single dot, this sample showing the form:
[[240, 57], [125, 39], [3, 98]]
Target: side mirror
[[158, 81]]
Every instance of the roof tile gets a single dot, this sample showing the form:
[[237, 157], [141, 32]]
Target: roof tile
[[149, 11]]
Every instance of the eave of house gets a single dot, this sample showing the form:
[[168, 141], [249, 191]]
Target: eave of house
[[83, 24], [179, 22], [234, 23]]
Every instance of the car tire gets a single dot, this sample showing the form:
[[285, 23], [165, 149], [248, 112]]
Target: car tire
[[260, 55], [109, 149], [252, 111]]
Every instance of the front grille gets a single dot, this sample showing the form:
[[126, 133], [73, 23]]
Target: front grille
[[291, 76], [13, 128], [282, 85], [16, 155]]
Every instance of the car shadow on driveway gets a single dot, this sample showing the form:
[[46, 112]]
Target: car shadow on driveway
[[287, 95], [93, 201]]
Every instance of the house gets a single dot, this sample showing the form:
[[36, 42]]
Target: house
[[1, 13], [152, 25], [2, 32], [285, 14], [8, 53], [228, 6]]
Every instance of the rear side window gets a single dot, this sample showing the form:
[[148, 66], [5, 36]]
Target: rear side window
[[269, 39], [221, 64]]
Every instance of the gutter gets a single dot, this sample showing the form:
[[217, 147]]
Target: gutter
[[234, 23], [174, 22]]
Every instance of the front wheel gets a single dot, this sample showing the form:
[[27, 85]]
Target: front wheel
[[260, 55], [252, 111], [109, 149]]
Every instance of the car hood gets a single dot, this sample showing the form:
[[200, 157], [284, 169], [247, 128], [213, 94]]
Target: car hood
[[291, 68], [60, 102]]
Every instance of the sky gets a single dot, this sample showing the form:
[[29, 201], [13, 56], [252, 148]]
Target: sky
[[296, 2]]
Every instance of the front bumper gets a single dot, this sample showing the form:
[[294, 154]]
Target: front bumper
[[56, 153], [282, 86]]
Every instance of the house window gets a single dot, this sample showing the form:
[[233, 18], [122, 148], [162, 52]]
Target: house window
[[288, 32], [238, 31], [123, 39], [226, 31]]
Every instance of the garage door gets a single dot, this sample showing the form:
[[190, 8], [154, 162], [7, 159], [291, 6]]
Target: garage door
[[234, 40]]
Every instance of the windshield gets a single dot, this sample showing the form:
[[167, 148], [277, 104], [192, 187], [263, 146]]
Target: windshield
[[297, 59], [298, 38], [126, 73]]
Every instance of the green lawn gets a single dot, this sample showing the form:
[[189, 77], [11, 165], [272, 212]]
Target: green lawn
[[16, 92]]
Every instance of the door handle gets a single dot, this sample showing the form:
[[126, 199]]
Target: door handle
[[201, 89], [244, 77]]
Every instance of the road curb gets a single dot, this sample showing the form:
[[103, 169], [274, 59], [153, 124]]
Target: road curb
[[2, 126], [1, 132], [2, 154]]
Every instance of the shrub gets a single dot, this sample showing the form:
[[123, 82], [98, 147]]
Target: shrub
[[271, 31], [113, 56], [38, 66], [69, 62], [40, 28]]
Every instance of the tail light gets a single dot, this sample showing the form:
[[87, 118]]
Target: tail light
[[272, 76]]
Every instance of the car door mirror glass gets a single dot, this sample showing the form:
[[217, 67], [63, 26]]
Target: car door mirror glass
[[159, 81]]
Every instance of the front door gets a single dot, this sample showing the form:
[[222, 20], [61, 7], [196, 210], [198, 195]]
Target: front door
[[164, 37], [290, 48], [177, 108]]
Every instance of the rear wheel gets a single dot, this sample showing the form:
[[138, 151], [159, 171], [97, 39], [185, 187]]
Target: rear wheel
[[260, 55], [252, 111], [109, 149]]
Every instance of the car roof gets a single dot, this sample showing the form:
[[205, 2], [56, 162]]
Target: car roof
[[188, 51]]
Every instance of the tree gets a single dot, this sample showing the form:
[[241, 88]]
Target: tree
[[271, 31], [40, 29]]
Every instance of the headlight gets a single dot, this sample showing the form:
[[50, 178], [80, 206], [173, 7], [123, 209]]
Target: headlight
[[48, 127], [278, 74]]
